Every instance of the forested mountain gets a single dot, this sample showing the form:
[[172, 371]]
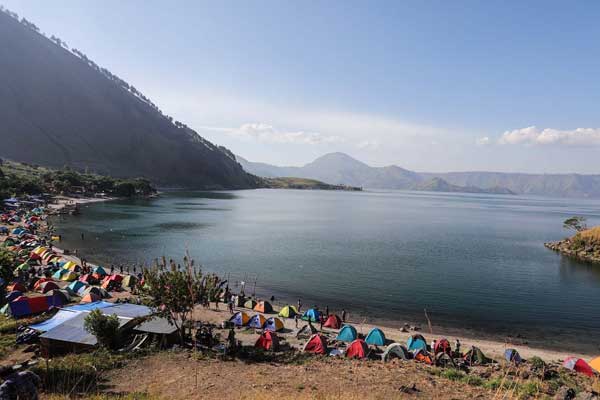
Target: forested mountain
[[339, 168], [58, 108]]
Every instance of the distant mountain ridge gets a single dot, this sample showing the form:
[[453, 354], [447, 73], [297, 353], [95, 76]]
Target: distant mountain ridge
[[58, 108], [340, 168]]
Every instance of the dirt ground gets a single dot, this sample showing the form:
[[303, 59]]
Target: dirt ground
[[180, 376]]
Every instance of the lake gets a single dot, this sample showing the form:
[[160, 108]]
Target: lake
[[476, 262]]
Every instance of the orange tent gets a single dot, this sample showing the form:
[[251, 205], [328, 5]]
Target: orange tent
[[263, 307], [90, 298]]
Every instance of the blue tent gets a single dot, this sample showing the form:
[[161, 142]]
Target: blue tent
[[76, 286], [99, 270], [376, 337], [257, 321], [13, 295], [18, 231], [511, 355], [416, 342], [239, 318], [312, 315], [347, 334], [58, 274], [4, 230]]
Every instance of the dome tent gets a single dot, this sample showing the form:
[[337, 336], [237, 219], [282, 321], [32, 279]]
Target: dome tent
[[257, 321], [395, 350], [267, 341], [240, 318], [357, 349], [288, 312], [416, 342], [347, 334], [312, 315], [273, 324], [317, 344], [376, 337], [263, 307], [333, 322]]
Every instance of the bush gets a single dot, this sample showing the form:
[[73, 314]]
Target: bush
[[104, 327]]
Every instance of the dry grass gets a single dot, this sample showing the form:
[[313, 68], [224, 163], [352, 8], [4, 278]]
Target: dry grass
[[592, 234]]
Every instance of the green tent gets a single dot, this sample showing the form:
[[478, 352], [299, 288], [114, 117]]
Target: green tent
[[24, 267], [476, 357]]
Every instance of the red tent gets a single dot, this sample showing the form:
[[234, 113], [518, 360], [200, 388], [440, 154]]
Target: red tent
[[442, 346], [357, 349], [268, 341], [40, 281], [317, 344], [47, 286], [333, 322], [16, 286], [578, 365]]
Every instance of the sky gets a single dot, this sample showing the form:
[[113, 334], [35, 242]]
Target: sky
[[426, 85]]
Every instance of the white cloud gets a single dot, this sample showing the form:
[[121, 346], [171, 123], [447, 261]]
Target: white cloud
[[368, 145], [534, 136], [484, 141], [266, 133]]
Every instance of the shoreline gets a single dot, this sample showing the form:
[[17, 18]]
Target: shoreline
[[488, 342]]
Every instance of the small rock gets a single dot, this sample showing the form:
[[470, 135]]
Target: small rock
[[565, 393]]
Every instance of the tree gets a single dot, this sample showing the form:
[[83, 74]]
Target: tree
[[104, 327], [576, 224], [173, 294]]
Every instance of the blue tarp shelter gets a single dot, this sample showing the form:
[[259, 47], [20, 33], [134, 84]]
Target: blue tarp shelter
[[60, 317]]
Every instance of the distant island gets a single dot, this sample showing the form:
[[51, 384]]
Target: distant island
[[305, 184], [440, 185]]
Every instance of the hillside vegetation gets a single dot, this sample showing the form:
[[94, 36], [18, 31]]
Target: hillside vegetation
[[17, 179], [584, 245], [59, 108]]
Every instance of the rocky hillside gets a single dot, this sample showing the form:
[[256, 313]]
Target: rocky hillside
[[58, 108], [584, 245], [440, 185]]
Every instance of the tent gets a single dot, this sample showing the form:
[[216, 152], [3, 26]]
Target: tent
[[129, 281], [69, 276], [88, 278], [357, 349], [395, 350], [288, 312], [61, 293], [513, 356], [47, 286], [442, 346], [376, 337], [422, 356], [13, 295], [40, 281], [257, 321], [58, 274], [312, 314], [595, 363], [90, 298], [273, 324], [333, 322], [263, 307], [23, 306], [103, 294], [267, 341], [578, 365], [16, 286], [347, 334], [99, 270], [317, 344], [476, 357], [75, 286], [71, 266], [24, 267], [240, 318], [250, 304], [416, 342]]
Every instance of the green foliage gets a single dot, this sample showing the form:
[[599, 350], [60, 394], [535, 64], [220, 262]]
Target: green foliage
[[104, 327], [19, 179], [172, 294], [537, 362], [576, 224]]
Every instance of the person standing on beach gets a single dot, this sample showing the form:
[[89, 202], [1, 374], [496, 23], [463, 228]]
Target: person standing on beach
[[296, 318], [299, 305], [326, 311], [344, 315], [82, 236]]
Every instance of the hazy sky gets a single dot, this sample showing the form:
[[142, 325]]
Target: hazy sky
[[427, 85]]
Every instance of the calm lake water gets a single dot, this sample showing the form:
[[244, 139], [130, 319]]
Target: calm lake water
[[475, 262]]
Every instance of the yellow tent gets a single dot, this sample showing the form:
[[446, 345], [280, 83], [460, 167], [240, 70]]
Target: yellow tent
[[39, 250], [69, 276], [70, 265], [595, 363], [288, 312]]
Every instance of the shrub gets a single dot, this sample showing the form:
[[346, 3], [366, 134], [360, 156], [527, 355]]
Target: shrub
[[104, 327]]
